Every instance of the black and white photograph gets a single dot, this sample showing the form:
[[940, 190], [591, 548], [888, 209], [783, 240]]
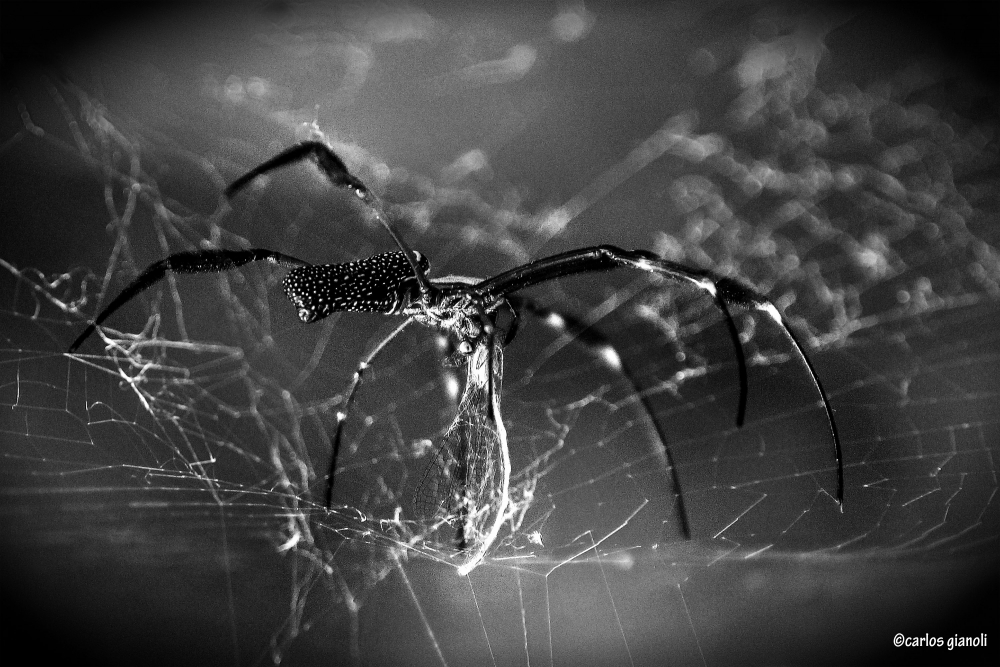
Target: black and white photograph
[[499, 334]]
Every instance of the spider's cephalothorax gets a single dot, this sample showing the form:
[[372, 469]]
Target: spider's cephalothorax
[[453, 309], [480, 315]]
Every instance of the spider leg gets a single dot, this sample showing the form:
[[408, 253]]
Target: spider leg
[[725, 291], [731, 291], [337, 173], [604, 350], [343, 414], [329, 163], [199, 261]]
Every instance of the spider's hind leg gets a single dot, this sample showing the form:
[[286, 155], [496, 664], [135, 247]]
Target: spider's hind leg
[[196, 261], [343, 414], [601, 347]]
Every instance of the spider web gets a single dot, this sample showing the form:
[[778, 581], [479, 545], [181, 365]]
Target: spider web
[[163, 489]]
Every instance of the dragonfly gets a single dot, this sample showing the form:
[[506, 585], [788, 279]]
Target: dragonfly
[[468, 482]]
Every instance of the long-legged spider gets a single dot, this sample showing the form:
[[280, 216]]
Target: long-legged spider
[[471, 472]]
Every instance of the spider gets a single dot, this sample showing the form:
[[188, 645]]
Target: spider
[[472, 469]]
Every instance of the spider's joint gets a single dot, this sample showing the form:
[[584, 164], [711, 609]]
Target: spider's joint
[[645, 265], [556, 320], [772, 311], [610, 357], [709, 286]]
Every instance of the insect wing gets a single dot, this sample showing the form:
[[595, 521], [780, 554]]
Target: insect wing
[[467, 484]]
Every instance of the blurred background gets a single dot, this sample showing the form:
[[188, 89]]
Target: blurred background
[[161, 492]]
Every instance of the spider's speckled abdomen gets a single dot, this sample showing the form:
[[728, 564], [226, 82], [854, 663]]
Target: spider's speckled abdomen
[[384, 283]]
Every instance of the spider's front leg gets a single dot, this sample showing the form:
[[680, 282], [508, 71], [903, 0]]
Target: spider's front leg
[[726, 292], [605, 352]]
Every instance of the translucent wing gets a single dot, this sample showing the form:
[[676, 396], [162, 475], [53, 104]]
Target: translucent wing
[[467, 484]]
